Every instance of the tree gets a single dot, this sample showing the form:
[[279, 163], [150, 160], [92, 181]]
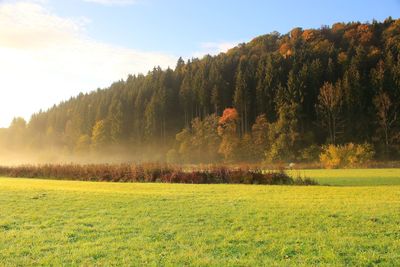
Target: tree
[[17, 125], [260, 130], [247, 151], [52, 138], [100, 136], [200, 143], [185, 145], [151, 118], [218, 86], [116, 120], [387, 115], [186, 97], [354, 117], [205, 138], [215, 99], [283, 135], [227, 130], [17, 133], [83, 144], [330, 102], [241, 97], [71, 133], [266, 82], [296, 33]]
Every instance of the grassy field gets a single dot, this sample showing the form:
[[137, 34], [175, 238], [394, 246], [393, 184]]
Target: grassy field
[[45, 222], [350, 177]]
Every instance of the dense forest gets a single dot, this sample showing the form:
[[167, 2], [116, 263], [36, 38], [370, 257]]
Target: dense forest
[[276, 98]]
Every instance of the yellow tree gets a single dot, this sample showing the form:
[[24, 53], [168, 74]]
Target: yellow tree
[[100, 135]]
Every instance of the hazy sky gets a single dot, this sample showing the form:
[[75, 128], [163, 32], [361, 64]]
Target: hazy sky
[[51, 50]]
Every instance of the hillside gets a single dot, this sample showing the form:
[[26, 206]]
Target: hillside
[[292, 92]]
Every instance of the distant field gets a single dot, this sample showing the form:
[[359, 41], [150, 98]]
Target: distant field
[[45, 222], [352, 176]]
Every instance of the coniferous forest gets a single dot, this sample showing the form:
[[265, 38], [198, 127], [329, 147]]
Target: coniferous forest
[[279, 97]]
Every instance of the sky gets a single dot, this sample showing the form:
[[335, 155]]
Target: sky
[[51, 50]]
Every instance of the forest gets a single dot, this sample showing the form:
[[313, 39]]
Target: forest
[[278, 98]]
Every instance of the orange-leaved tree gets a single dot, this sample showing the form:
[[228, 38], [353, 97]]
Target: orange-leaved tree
[[227, 130]]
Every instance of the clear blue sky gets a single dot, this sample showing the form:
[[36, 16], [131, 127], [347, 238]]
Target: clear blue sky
[[180, 26], [51, 50]]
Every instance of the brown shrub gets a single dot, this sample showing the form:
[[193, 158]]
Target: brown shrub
[[151, 172]]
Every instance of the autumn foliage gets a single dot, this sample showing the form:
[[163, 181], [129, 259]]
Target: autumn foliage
[[346, 156], [229, 115], [227, 130]]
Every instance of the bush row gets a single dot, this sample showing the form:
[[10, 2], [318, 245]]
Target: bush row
[[162, 173]]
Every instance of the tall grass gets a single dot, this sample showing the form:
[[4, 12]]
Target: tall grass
[[154, 172]]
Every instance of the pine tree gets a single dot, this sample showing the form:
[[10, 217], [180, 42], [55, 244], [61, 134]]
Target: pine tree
[[241, 98], [116, 120]]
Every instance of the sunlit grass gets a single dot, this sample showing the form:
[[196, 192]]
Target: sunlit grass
[[44, 222], [351, 176]]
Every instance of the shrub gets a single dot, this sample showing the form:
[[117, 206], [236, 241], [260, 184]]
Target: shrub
[[152, 172], [346, 156]]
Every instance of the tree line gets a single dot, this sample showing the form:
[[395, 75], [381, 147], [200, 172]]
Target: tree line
[[278, 97]]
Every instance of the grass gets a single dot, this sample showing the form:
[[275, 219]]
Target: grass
[[352, 177], [45, 222]]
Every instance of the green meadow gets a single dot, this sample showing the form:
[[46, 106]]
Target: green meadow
[[53, 223], [351, 177]]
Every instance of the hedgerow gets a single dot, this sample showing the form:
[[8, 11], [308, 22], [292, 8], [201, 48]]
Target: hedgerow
[[153, 172]]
